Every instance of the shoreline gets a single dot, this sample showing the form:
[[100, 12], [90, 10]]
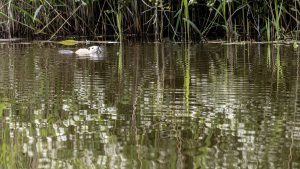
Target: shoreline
[[222, 42]]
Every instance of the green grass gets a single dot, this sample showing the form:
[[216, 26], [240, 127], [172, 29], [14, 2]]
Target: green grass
[[155, 19]]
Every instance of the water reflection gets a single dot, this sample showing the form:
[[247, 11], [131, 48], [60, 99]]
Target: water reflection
[[150, 106]]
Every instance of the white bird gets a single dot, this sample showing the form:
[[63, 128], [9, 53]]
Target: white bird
[[89, 51]]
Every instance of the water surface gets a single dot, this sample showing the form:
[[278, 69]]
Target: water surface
[[150, 105]]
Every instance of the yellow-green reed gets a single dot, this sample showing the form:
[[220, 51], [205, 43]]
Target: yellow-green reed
[[119, 18]]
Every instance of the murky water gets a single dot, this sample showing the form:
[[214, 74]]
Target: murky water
[[150, 106]]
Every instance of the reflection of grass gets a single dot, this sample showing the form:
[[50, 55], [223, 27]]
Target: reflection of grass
[[80, 164], [2, 107], [187, 77], [11, 156], [279, 71], [269, 56], [120, 61]]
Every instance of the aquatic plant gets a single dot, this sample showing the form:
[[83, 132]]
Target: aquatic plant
[[152, 19]]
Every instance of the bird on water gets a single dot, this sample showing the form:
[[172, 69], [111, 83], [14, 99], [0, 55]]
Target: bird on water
[[91, 51]]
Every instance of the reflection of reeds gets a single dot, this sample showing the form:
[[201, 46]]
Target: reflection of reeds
[[279, 73], [11, 155], [120, 61], [269, 56], [187, 77], [294, 113]]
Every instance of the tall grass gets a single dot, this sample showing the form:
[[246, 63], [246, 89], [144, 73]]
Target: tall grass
[[278, 13], [187, 18], [119, 20], [182, 20]]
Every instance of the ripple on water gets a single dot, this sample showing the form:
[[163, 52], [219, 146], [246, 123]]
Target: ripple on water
[[155, 105]]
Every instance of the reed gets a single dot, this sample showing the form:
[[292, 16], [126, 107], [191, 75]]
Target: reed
[[278, 13], [187, 18], [224, 17], [9, 12], [156, 22], [119, 17], [56, 19], [297, 27], [268, 30]]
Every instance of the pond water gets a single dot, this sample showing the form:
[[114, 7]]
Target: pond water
[[150, 105]]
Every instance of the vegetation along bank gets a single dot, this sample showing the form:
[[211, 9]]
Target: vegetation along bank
[[179, 20]]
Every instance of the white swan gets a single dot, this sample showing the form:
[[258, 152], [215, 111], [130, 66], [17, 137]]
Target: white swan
[[89, 51]]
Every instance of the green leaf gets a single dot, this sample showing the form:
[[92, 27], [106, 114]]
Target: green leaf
[[28, 26], [177, 13], [37, 12], [26, 13], [68, 42], [193, 25]]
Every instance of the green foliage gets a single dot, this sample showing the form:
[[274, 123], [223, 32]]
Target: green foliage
[[265, 20]]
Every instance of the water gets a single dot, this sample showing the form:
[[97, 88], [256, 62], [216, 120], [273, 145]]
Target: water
[[150, 106]]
